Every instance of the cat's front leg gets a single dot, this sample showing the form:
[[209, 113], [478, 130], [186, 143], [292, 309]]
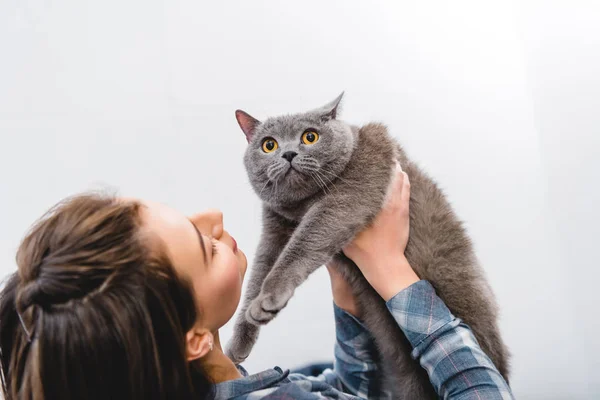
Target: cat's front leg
[[268, 303], [241, 343], [324, 230], [276, 233]]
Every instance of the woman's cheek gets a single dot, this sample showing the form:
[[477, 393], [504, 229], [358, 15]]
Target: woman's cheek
[[234, 273], [243, 264]]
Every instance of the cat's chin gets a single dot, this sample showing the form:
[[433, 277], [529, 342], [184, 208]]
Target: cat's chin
[[296, 185], [291, 183], [291, 171], [295, 179]]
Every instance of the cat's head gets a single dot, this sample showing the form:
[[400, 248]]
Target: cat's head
[[292, 157]]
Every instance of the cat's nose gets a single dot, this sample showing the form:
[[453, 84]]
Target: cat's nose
[[289, 155]]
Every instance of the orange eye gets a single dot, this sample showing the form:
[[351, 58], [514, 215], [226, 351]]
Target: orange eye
[[269, 145], [310, 137]]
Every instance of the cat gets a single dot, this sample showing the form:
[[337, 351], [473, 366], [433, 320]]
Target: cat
[[321, 182]]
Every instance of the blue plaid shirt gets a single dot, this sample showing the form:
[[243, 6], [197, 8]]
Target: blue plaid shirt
[[444, 346]]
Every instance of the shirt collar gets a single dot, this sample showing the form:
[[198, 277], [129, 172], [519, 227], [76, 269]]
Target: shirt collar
[[250, 383]]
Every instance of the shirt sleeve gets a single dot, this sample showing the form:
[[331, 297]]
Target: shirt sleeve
[[445, 346], [309, 388], [354, 364]]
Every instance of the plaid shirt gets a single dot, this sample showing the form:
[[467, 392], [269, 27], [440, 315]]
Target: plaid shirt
[[444, 346]]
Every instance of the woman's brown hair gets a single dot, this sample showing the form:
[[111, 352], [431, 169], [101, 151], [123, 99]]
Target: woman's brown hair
[[95, 312]]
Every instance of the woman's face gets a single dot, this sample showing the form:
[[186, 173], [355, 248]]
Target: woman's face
[[202, 251]]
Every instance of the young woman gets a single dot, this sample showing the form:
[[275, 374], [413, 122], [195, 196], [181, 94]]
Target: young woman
[[119, 298]]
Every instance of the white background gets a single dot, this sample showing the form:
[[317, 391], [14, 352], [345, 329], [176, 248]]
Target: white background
[[498, 100]]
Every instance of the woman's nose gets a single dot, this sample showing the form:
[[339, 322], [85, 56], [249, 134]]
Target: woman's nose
[[209, 222]]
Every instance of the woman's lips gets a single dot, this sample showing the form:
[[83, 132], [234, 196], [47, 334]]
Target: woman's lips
[[235, 247]]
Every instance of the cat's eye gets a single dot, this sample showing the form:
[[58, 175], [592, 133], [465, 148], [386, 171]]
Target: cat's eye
[[269, 145], [310, 137]]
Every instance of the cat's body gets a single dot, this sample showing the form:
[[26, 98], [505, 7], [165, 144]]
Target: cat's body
[[306, 226]]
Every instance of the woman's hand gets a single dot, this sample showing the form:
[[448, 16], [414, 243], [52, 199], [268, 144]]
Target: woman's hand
[[341, 291], [379, 250]]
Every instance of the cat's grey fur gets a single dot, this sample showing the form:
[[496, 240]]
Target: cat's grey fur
[[311, 211]]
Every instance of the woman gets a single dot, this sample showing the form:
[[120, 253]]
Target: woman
[[119, 298]]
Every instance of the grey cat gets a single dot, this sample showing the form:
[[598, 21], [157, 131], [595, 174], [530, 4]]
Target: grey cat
[[321, 182]]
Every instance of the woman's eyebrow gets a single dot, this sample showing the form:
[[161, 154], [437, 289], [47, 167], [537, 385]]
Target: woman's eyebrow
[[201, 243]]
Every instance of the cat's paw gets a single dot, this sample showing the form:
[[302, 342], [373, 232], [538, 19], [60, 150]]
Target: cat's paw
[[240, 345], [266, 306]]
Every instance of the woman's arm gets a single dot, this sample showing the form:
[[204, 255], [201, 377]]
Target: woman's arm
[[444, 346], [354, 366]]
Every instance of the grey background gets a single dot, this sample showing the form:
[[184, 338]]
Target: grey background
[[498, 100]]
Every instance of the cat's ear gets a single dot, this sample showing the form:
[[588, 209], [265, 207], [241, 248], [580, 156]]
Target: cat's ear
[[330, 110], [247, 122]]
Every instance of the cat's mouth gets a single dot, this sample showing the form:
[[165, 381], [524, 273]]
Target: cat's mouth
[[290, 170], [293, 176]]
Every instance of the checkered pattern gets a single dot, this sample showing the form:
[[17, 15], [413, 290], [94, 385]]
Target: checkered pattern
[[444, 346]]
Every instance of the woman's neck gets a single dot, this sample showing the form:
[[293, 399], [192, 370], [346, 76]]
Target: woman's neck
[[217, 365]]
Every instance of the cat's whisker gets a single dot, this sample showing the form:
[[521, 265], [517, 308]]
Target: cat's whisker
[[320, 182], [323, 177], [315, 166], [273, 171], [317, 181], [323, 184], [263, 188], [313, 170], [308, 166], [273, 175], [353, 184], [328, 189], [309, 162], [279, 176]]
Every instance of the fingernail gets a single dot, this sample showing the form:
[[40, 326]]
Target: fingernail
[[398, 166]]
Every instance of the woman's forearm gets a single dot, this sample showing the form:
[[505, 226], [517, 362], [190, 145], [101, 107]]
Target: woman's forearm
[[445, 347]]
